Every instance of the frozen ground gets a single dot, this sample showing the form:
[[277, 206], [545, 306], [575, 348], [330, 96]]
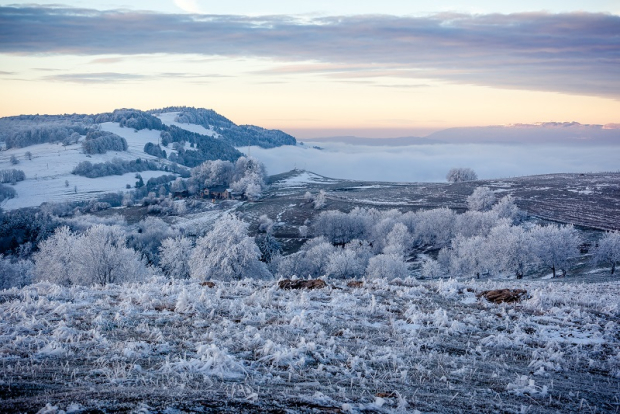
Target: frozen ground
[[591, 200], [252, 347]]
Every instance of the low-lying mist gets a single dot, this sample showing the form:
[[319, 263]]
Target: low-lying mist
[[430, 163]]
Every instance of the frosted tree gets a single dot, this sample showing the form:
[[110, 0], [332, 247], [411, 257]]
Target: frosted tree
[[434, 227], [150, 233], [99, 256], [55, 260], [269, 247], [482, 199], [398, 240], [556, 246], [178, 185], [469, 256], [174, 256], [102, 257], [128, 199], [511, 250], [180, 208], [387, 266], [506, 208], [249, 177], [246, 166], [210, 174], [15, 273], [319, 200], [477, 223], [227, 253], [344, 263], [363, 251], [457, 175], [253, 191], [381, 227], [339, 227], [431, 269], [608, 250], [317, 252], [265, 224], [311, 260]]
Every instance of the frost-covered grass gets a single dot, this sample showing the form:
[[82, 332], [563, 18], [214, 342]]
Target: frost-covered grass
[[248, 346]]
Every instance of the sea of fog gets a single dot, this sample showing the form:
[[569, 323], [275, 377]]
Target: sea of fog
[[430, 163]]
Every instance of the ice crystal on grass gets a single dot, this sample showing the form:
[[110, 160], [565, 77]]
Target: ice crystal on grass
[[386, 345]]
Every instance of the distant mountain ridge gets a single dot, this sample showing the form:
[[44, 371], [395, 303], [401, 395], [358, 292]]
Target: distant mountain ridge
[[542, 133], [396, 142], [563, 133]]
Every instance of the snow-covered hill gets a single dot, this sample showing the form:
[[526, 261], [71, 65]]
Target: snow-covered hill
[[48, 173], [49, 147]]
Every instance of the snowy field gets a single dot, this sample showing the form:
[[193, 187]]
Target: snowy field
[[301, 179], [167, 118], [399, 346], [49, 170], [430, 163]]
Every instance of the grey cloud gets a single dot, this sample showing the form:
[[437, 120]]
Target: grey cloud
[[107, 77], [103, 77], [573, 53]]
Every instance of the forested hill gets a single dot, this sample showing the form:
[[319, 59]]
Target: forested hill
[[25, 130], [228, 131]]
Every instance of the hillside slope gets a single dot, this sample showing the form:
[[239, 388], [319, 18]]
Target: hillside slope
[[48, 148]]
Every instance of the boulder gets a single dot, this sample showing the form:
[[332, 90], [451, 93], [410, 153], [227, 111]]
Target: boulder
[[503, 295], [302, 284]]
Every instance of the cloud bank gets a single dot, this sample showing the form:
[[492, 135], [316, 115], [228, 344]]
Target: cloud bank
[[571, 53], [430, 163]]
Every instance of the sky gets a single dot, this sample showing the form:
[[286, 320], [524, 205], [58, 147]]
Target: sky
[[321, 68]]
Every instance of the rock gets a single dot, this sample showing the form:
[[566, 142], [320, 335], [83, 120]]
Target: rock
[[386, 395], [302, 284], [355, 284], [503, 295]]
